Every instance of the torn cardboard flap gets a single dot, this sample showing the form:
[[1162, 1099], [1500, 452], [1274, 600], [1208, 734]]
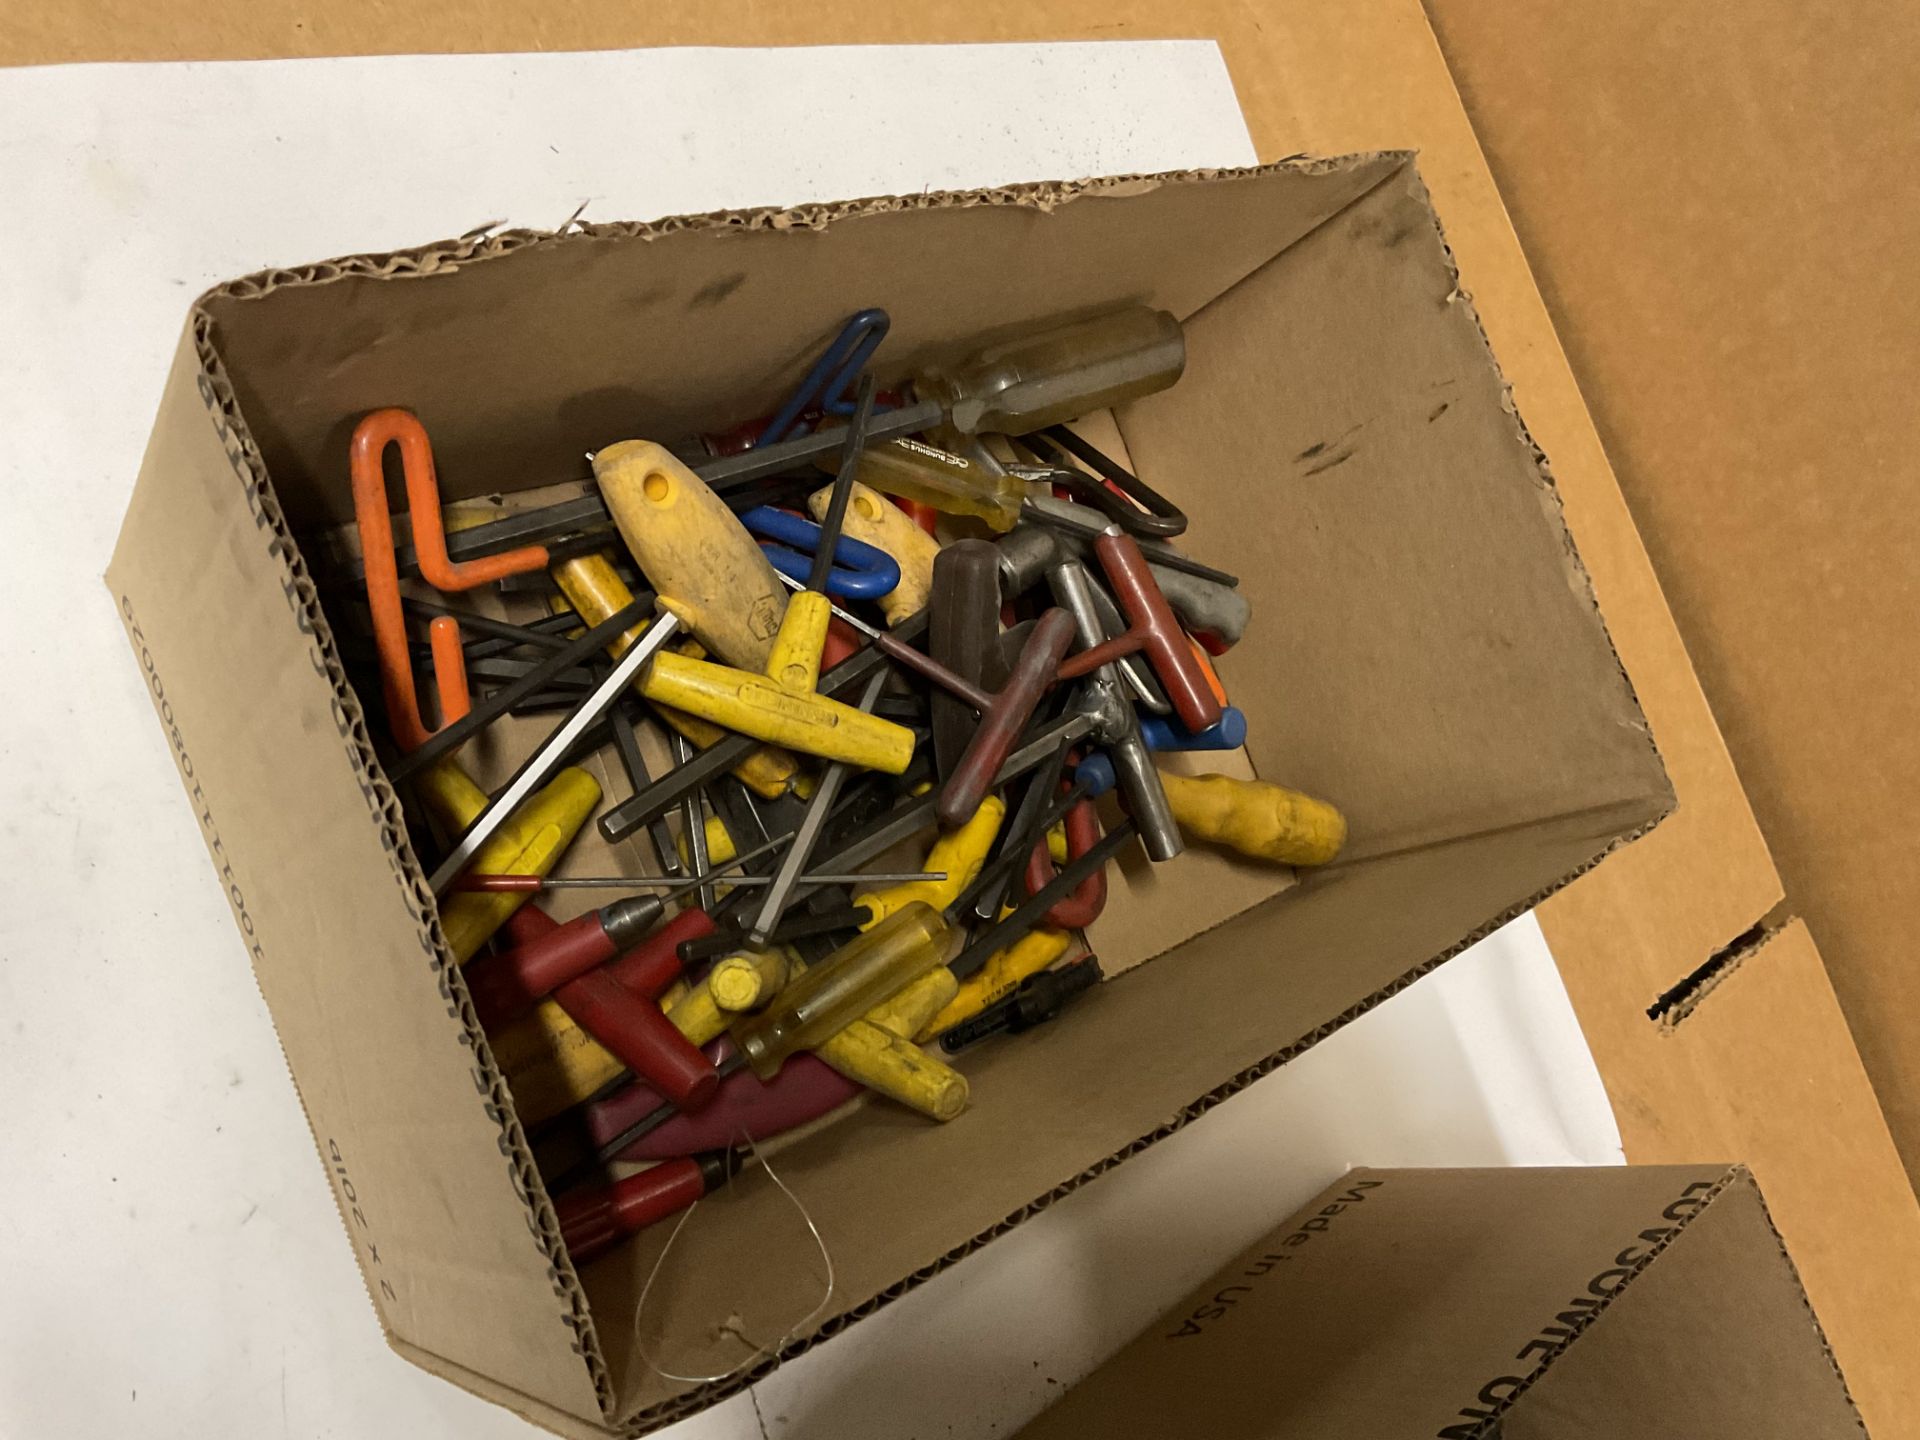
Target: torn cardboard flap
[[1423, 653]]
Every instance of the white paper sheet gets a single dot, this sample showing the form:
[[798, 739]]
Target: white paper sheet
[[170, 1257]]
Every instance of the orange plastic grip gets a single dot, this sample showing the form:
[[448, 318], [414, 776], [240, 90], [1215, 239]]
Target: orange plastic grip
[[401, 427], [370, 515]]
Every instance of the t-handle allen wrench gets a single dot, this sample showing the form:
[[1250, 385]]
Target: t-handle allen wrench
[[1003, 714], [1153, 630]]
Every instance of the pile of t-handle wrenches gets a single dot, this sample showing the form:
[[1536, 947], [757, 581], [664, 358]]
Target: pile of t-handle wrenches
[[983, 692]]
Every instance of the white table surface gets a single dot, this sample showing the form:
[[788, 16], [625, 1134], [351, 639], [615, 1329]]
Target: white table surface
[[171, 1261]]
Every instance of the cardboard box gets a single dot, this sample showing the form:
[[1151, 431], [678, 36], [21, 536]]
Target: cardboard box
[[1527, 1304], [1428, 653]]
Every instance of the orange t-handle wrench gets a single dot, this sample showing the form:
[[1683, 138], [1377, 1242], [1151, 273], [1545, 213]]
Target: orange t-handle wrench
[[370, 440]]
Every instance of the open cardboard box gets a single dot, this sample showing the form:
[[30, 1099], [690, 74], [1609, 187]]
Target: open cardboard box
[[1426, 651]]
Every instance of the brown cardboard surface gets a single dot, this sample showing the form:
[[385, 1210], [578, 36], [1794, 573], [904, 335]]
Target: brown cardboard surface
[[1550, 1304], [384, 1069], [1761, 1066], [1712, 1340], [1706, 195]]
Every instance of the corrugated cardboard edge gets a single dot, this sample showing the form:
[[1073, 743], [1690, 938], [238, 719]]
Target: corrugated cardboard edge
[[385, 808], [446, 256], [1745, 1176]]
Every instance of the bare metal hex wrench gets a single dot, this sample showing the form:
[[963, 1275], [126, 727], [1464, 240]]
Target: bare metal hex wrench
[[1115, 724], [531, 775], [819, 807]]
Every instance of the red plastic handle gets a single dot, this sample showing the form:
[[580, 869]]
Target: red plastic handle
[[1153, 630], [507, 985], [1004, 719], [745, 1108], [654, 964], [593, 1221], [1083, 906], [639, 1037]]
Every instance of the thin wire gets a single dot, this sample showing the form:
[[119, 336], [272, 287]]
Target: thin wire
[[826, 1298]]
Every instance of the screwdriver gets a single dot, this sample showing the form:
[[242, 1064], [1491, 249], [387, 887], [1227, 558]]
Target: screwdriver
[[1018, 387], [1036, 1000], [594, 1221], [953, 484], [836, 995]]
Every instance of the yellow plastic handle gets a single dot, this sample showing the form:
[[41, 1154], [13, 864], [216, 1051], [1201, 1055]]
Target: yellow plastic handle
[[997, 979], [795, 662], [1266, 822], [905, 1013], [596, 592], [530, 843], [896, 1068], [756, 706], [876, 1051], [747, 980], [960, 853], [877, 521], [693, 550]]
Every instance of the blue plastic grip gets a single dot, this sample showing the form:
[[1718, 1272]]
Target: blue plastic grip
[[1230, 733], [861, 571]]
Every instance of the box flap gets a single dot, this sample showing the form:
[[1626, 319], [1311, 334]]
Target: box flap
[[1715, 1339], [1400, 1303]]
